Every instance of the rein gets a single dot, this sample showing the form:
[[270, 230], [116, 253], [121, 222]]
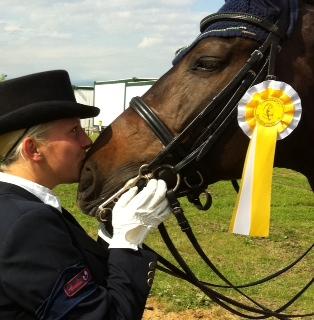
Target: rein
[[259, 66]]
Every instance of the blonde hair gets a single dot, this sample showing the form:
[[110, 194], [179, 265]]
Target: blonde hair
[[38, 133]]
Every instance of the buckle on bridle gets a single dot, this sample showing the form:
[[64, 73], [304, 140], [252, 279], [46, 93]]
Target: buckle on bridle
[[168, 173]]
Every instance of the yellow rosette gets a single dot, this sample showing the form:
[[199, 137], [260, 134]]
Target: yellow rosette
[[267, 112]]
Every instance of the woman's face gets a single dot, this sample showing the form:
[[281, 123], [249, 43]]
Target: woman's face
[[64, 151]]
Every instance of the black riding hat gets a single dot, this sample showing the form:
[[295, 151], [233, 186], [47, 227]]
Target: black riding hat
[[38, 98]]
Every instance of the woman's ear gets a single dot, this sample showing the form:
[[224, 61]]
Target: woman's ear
[[30, 149]]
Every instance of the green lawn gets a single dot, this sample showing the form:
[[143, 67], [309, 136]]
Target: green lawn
[[241, 259]]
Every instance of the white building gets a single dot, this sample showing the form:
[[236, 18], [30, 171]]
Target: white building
[[111, 97], [85, 95]]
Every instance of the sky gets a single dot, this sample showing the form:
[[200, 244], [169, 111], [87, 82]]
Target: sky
[[97, 40]]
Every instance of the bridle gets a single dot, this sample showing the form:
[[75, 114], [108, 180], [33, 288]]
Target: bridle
[[260, 65], [186, 162]]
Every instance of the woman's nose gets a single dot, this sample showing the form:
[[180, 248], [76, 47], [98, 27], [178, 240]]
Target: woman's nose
[[86, 141]]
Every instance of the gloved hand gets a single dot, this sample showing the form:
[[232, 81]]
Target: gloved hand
[[135, 214]]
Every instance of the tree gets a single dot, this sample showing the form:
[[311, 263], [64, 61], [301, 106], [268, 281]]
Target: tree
[[2, 76]]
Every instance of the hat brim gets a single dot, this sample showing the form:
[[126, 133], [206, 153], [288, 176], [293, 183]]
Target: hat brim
[[42, 112]]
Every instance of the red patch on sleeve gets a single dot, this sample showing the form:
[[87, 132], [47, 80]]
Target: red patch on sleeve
[[77, 283]]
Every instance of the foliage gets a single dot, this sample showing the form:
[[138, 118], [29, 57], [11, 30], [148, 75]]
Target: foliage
[[239, 258], [2, 76]]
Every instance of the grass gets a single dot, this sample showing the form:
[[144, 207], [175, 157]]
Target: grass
[[239, 258]]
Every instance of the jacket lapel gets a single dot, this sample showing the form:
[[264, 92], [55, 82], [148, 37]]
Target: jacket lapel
[[81, 238], [78, 234], [94, 254]]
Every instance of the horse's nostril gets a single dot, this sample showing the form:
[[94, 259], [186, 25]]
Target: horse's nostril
[[87, 180]]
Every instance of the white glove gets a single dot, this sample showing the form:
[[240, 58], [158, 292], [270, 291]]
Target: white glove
[[135, 214]]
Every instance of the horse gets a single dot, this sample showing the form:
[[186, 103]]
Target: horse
[[180, 121]]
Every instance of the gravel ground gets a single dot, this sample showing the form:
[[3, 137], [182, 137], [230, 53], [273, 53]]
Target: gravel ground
[[156, 311]]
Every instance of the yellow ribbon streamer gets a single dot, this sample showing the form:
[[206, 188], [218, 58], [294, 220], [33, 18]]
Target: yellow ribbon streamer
[[267, 112]]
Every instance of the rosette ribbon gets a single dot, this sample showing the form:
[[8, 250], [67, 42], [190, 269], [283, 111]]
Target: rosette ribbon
[[269, 111]]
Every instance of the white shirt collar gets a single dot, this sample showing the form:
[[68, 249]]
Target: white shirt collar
[[44, 194]]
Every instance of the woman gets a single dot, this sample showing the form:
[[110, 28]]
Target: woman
[[49, 267]]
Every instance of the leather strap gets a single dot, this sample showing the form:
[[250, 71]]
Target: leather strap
[[150, 117]]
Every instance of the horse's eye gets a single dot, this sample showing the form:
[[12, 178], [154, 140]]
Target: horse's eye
[[208, 64]]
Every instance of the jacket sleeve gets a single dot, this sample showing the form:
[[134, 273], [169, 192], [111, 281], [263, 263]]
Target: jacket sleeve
[[45, 274]]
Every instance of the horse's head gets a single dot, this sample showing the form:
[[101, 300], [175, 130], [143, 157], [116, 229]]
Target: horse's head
[[196, 79]]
